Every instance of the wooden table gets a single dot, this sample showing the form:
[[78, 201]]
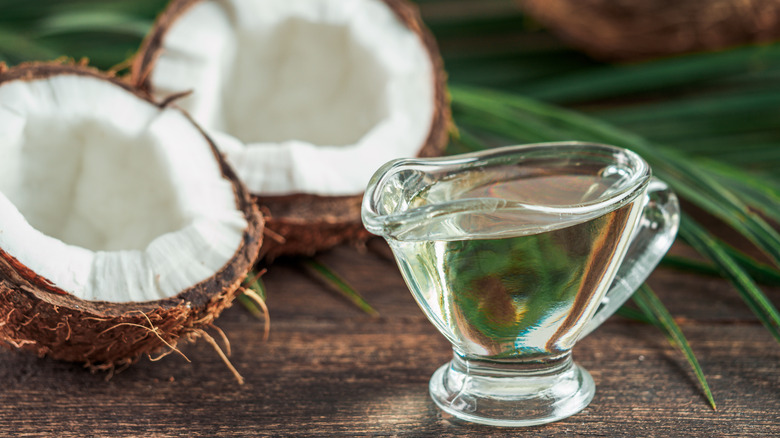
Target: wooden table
[[330, 369]]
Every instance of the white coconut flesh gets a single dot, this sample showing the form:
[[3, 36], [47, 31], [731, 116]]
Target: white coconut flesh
[[303, 96], [107, 196]]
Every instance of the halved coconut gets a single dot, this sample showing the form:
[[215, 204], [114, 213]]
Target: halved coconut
[[307, 98], [629, 30], [122, 229]]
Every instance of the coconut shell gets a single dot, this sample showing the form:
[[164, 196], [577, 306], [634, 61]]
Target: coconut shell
[[37, 316], [303, 224], [632, 30]]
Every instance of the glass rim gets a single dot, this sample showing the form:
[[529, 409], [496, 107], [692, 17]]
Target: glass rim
[[380, 224]]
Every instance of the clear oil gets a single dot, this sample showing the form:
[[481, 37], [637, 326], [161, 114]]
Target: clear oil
[[516, 284]]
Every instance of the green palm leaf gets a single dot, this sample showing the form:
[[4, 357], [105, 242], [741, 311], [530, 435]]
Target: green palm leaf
[[654, 310], [523, 119], [339, 285], [751, 294]]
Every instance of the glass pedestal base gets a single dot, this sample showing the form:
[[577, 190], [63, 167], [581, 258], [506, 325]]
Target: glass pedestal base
[[511, 393]]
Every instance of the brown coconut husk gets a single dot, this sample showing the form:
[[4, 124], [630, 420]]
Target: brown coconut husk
[[303, 224], [632, 30], [37, 316]]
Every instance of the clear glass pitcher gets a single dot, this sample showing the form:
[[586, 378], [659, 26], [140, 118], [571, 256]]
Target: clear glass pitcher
[[516, 253]]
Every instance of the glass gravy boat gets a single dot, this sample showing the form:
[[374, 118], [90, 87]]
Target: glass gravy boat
[[516, 253]]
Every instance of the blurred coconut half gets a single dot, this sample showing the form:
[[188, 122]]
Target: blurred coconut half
[[122, 229], [631, 29], [306, 98]]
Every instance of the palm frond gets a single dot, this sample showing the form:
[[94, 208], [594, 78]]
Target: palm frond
[[654, 310]]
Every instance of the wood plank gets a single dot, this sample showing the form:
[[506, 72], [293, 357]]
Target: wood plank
[[329, 369]]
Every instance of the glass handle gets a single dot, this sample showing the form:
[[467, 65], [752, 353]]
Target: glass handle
[[652, 238]]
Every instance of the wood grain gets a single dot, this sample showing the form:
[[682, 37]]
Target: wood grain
[[329, 369]]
